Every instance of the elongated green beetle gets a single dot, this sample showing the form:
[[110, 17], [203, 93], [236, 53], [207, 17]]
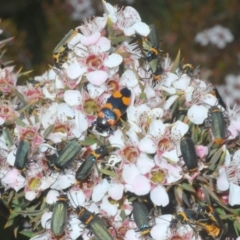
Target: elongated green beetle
[[189, 154], [86, 167], [22, 154], [94, 224], [141, 218], [217, 122], [60, 53], [59, 216], [67, 155]]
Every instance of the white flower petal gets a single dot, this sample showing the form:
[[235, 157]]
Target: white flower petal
[[103, 44], [72, 97], [63, 111], [116, 191], [109, 208], [144, 163], [169, 102], [147, 145], [182, 83], [141, 28], [222, 180], [75, 71], [76, 230], [63, 181], [81, 122], [159, 196], [13, 179], [179, 128], [97, 77], [171, 156], [130, 172], [141, 185], [234, 193], [99, 190], [197, 114], [52, 196], [129, 79], [31, 195], [117, 140], [45, 220], [113, 60], [76, 198]]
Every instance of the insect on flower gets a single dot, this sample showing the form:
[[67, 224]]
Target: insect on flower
[[94, 223], [141, 218], [86, 167], [217, 122], [66, 156], [60, 53], [151, 52], [59, 216], [189, 154], [113, 109], [199, 222], [189, 69], [22, 155]]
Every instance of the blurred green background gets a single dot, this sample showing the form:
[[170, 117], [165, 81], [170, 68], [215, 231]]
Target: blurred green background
[[39, 25]]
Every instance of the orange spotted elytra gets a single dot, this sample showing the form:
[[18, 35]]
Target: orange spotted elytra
[[113, 109]]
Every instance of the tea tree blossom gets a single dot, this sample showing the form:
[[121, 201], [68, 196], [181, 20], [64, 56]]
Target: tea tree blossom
[[217, 35]]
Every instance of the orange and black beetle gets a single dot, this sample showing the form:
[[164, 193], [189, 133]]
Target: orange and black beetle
[[113, 109]]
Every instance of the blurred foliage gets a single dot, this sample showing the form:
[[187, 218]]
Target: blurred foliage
[[37, 34]]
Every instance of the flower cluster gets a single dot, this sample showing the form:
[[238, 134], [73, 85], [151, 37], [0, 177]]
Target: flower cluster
[[217, 35], [105, 129]]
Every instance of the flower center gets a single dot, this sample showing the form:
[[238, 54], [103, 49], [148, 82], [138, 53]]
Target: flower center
[[94, 63], [158, 176]]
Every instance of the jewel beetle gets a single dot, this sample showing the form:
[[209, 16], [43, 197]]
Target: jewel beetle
[[59, 216], [140, 216], [113, 109], [94, 224], [86, 167], [189, 154]]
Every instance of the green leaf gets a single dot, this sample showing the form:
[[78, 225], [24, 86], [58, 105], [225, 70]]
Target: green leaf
[[178, 192], [116, 40], [236, 227], [27, 234], [107, 172], [20, 96], [109, 27], [215, 159], [29, 212], [15, 231], [10, 222], [123, 215], [48, 130], [7, 137], [188, 187], [176, 62], [25, 73], [207, 196], [88, 141], [19, 122]]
